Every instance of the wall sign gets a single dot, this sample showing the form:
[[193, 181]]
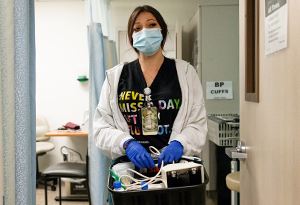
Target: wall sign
[[275, 25], [219, 90]]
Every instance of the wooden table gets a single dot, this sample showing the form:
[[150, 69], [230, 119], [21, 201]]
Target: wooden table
[[66, 133]]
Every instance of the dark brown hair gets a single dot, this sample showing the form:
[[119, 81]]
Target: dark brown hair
[[156, 14]]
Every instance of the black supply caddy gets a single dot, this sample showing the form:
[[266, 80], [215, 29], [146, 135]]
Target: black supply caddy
[[183, 195]]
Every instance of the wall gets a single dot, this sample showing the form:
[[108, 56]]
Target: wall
[[214, 31], [170, 10], [61, 53], [219, 53], [270, 128], [61, 46], [1, 154]]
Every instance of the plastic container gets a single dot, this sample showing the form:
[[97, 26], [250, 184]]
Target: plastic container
[[118, 186], [223, 129], [144, 187], [187, 195]]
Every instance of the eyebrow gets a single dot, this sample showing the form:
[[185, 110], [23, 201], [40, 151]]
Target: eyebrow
[[146, 21]]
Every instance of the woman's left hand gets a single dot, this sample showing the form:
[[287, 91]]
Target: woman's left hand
[[172, 152]]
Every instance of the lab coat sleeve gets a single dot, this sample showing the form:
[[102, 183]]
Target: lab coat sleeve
[[108, 138], [193, 134]]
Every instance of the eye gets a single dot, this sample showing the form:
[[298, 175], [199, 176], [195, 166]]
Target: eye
[[136, 29], [153, 24]]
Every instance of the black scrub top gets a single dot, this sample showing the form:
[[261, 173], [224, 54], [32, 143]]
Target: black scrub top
[[165, 95]]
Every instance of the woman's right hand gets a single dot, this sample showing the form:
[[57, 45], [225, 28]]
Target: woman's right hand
[[138, 155]]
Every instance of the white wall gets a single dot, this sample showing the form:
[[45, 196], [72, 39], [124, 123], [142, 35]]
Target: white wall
[[170, 10], [61, 53]]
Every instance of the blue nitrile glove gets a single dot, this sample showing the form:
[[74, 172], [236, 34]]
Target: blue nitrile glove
[[172, 152], [138, 155]]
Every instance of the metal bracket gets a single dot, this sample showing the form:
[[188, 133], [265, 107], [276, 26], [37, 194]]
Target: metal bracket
[[237, 153]]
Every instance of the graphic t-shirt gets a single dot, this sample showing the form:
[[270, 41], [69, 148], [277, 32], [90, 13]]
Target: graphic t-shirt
[[165, 95]]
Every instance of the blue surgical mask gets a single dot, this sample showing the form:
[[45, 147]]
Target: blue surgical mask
[[147, 40]]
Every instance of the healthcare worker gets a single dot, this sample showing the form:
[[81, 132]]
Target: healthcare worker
[[151, 101]]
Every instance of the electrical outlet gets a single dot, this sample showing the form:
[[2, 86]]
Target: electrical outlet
[[65, 157]]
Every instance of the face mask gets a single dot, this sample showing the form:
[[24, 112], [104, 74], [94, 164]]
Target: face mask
[[147, 41]]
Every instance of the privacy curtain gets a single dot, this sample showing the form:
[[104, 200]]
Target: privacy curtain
[[99, 163], [17, 66], [102, 56]]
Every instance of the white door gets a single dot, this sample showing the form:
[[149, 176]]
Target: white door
[[271, 128], [125, 51], [178, 40]]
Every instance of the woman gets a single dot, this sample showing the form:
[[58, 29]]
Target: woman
[[152, 101]]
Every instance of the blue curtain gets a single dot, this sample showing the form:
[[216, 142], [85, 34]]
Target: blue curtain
[[99, 163], [17, 55]]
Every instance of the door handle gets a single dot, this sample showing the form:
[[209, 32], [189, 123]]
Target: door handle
[[237, 153]]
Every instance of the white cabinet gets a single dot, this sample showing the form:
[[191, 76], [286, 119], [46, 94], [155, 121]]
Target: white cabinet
[[214, 43]]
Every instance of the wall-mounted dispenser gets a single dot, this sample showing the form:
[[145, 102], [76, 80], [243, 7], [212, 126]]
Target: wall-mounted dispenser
[[82, 77]]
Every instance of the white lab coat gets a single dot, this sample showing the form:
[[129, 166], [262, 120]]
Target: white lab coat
[[189, 128]]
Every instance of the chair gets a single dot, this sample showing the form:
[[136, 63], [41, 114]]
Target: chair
[[42, 147], [67, 170], [233, 183]]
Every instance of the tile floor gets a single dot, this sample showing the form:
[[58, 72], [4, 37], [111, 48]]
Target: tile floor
[[40, 197], [211, 198]]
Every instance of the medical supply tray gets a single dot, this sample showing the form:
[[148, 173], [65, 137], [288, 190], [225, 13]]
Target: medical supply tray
[[186, 195], [223, 129]]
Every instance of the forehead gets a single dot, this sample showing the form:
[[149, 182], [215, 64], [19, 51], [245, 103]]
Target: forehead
[[144, 17]]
